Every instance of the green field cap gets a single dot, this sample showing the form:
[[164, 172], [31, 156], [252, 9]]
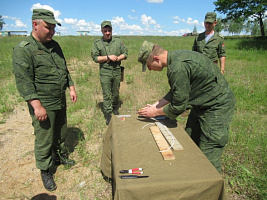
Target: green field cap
[[210, 17], [106, 23], [144, 52], [45, 15]]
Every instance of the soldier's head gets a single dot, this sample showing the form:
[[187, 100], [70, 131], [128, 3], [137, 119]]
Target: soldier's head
[[210, 21], [152, 56], [43, 25], [106, 29]]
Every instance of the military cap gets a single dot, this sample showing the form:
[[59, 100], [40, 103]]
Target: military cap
[[106, 23], [144, 52], [210, 17], [45, 15]]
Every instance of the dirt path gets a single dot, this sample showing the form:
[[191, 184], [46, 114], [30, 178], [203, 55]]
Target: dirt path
[[19, 177], [18, 171]]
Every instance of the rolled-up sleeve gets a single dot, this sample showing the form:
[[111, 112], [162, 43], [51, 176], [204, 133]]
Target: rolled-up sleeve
[[221, 49], [124, 50]]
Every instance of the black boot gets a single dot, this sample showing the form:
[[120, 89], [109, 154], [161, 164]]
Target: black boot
[[108, 118], [116, 111], [48, 180], [63, 160]]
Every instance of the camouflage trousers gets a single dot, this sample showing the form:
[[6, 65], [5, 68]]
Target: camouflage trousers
[[209, 129], [49, 136], [110, 83]]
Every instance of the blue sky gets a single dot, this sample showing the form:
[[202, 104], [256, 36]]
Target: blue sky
[[128, 17]]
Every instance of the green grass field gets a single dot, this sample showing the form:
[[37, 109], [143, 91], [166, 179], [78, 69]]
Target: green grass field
[[244, 159]]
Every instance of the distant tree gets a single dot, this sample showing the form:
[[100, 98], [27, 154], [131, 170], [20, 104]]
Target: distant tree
[[255, 28], [219, 26], [234, 9], [235, 26], [195, 29], [1, 22]]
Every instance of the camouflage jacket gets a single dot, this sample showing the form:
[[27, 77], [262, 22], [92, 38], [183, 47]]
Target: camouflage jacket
[[114, 47], [195, 82], [41, 72], [214, 48]]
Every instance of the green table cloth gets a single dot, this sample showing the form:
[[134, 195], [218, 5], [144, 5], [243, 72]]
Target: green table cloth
[[128, 143]]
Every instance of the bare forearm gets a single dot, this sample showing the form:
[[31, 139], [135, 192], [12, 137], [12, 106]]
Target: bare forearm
[[222, 64]]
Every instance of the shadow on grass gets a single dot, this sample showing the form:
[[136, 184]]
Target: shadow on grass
[[250, 43], [44, 196], [74, 136]]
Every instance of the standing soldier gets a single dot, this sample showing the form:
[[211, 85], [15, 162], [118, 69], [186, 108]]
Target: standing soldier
[[42, 78], [109, 52], [211, 43]]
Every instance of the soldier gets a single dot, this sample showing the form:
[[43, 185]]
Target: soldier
[[211, 43], [109, 52], [42, 78], [197, 83]]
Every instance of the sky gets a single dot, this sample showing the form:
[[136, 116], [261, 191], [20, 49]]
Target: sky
[[128, 17]]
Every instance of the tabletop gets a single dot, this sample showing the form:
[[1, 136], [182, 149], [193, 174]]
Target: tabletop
[[128, 143]]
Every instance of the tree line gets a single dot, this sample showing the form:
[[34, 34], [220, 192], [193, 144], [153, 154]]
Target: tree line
[[242, 15]]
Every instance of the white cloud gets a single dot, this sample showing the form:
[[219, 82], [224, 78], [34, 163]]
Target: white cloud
[[155, 1], [129, 16], [70, 21], [177, 20], [190, 21], [19, 24], [12, 18], [117, 21], [57, 13], [147, 20], [133, 10]]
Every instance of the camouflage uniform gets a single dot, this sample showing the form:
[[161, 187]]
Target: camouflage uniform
[[197, 83], [213, 49], [41, 73], [110, 73]]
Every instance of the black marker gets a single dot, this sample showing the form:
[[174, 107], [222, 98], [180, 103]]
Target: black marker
[[132, 176]]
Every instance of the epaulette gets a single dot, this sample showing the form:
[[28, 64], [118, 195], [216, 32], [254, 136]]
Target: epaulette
[[23, 43], [97, 40]]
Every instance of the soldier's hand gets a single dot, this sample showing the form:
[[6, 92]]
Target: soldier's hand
[[40, 113], [39, 110], [148, 111], [73, 94]]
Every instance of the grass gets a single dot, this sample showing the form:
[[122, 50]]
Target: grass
[[244, 159]]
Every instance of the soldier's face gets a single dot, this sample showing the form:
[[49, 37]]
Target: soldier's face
[[156, 65], [107, 32], [209, 26], [43, 31]]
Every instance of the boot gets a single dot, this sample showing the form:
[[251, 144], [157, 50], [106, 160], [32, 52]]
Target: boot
[[63, 160], [115, 111], [108, 118], [48, 180]]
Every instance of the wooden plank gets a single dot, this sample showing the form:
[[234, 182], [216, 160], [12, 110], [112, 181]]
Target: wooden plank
[[163, 146], [176, 146]]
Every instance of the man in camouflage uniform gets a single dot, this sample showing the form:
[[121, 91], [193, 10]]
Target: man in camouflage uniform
[[109, 52], [211, 43], [42, 78], [197, 83]]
